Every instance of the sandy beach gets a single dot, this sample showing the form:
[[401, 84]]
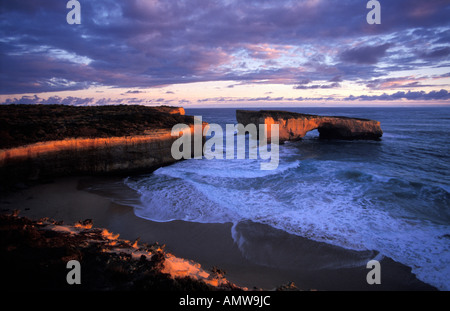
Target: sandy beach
[[264, 258]]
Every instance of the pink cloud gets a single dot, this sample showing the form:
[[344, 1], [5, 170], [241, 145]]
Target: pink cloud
[[266, 51]]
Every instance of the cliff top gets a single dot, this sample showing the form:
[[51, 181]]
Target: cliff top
[[27, 124]]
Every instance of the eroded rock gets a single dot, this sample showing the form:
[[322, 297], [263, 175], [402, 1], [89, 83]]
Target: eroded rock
[[294, 126]]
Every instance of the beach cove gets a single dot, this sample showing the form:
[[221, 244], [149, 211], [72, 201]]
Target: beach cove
[[286, 258]]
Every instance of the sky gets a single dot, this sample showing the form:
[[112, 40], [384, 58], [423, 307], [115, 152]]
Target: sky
[[225, 53]]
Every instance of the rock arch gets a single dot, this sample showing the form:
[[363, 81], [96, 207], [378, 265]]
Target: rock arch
[[294, 126]]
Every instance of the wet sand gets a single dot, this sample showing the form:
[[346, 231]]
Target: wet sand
[[258, 256]]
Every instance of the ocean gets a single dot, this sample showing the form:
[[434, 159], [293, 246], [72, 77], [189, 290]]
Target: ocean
[[390, 196]]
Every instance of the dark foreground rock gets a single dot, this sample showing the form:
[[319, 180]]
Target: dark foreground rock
[[34, 255]]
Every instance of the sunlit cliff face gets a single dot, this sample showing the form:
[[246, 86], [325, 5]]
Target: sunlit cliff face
[[293, 126], [124, 154], [297, 128], [79, 144]]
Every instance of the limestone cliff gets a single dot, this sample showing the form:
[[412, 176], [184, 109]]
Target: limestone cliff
[[294, 126], [49, 141], [27, 124]]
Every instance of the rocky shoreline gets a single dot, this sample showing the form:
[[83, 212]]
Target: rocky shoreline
[[34, 255]]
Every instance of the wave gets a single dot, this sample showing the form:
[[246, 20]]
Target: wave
[[347, 204]]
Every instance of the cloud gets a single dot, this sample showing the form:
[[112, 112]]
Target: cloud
[[134, 92], [54, 100], [318, 86], [398, 82], [442, 95], [137, 43], [439, 52], [336, 79], [365, 54], [263, 99], [419, 95], [304, 81], [79, 101], [266, 51]]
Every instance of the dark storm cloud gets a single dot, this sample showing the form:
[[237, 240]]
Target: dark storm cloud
[[141, 43], [440, 52], [365, 54]]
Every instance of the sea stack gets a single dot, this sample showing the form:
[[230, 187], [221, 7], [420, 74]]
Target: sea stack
[[294, 126]]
